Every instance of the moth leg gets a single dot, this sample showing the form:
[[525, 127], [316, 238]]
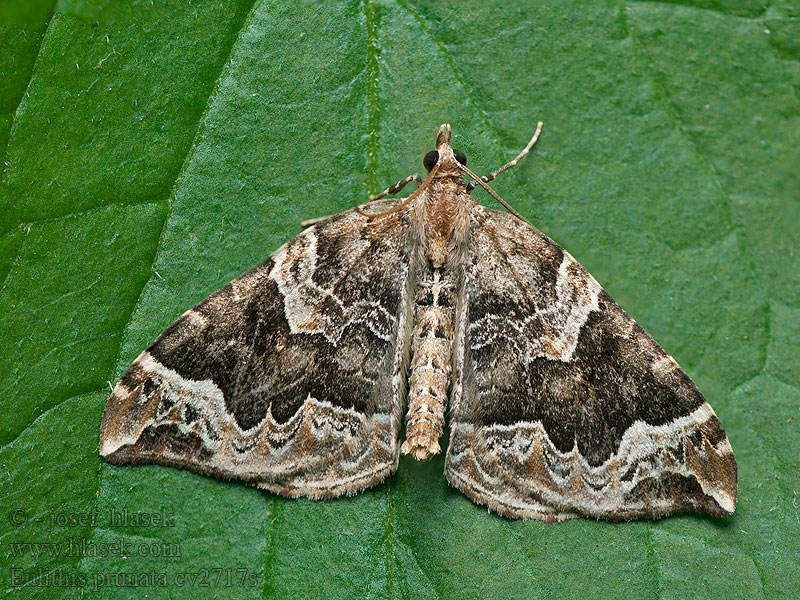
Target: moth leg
[[487, 178], [393, 189], [309, 222]]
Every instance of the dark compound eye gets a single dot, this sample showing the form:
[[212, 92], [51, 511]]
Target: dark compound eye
[[430, 160], [460, 157]]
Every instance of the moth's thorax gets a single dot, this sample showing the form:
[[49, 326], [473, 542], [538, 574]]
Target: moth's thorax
[[445, 213]]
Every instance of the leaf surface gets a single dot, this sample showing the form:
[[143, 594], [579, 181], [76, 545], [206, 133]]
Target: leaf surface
[[153, 151]]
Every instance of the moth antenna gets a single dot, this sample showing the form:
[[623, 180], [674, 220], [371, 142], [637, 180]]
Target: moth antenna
[[508, 165], [404, 203], [492, 192]]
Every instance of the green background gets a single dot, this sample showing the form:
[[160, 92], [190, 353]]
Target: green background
[[152, 151]]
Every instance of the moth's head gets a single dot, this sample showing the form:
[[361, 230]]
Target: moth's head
[[444, 154]]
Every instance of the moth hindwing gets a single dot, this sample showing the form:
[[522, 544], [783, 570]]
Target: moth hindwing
[[295, 376]]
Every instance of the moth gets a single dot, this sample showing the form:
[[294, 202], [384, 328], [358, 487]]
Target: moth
[[296, 376]]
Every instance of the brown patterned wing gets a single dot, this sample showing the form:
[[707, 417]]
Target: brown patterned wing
[[291, 377], [562, 405]]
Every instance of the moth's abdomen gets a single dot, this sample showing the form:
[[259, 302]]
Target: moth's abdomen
[[430, 366]]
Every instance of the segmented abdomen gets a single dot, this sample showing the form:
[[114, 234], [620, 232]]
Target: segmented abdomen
[[430, 364]]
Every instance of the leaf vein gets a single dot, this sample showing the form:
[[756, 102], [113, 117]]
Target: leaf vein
[[458, 75], [44, 415], [189, 154], [25, 93]]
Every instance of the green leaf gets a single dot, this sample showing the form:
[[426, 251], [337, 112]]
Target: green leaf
[[154, 150]]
